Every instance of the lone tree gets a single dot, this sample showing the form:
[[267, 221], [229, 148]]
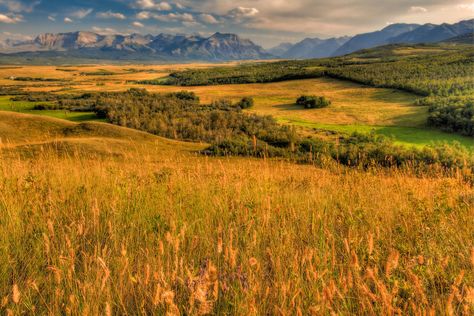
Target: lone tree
[[313, 102]]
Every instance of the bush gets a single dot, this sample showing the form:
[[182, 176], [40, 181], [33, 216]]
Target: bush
[[39, 107], [186, 95], [245, 103], [313, 102]]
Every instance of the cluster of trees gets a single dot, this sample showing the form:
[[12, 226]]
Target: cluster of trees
[[313, 102], [230, 131], [441, 74], [444, 72], [357, 150], [451, 114], [180, 116], [11, 90], [233, 132], [36, 79], [248, 73]]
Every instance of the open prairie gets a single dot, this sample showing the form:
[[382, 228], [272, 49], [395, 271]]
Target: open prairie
[[355, 107]]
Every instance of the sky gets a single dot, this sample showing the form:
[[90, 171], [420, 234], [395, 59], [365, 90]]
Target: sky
[[267, 22]]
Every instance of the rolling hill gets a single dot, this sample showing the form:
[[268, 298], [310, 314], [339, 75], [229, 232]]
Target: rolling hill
[[31, 134]]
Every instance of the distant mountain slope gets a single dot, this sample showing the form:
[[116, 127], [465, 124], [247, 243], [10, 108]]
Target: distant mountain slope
[[406, 33], [430, 33], [373, 39], [280, 49], [135, 47], [467, 38], [315, 48]]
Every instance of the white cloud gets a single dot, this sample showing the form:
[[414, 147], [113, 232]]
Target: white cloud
[[19, 6], [104, 30], [10, 18], [152, 5], [193, 24], [81, 13], [418, 9], [68, 20], [144, 15], [138, 24], [185, 17], [469, 7], [51, 18], [240, 13], [111, 15], [208, 18], [170, 17], [15, 36]]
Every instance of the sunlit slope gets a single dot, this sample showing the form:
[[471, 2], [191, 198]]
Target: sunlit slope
[[30, 133]]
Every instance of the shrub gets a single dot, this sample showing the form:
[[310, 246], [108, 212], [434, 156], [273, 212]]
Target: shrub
[[186, 95], [245, 103], [313, 102], [39, 107]]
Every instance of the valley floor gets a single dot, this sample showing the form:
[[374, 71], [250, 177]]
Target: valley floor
[[354, 107]]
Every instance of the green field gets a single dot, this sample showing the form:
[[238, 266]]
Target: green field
[[402, 135], [28, 108]]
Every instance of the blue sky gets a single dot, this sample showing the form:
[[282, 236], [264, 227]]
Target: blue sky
[[268, 22]]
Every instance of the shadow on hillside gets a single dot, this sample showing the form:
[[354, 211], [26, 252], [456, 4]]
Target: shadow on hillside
[[289, 107]]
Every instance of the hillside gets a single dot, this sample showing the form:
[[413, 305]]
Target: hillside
[[27, 134], [314, 48], [467, 38], [399, 33]]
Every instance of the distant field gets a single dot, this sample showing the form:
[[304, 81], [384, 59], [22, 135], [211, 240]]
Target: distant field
[[354, 107], [408, 136], [28, 108]]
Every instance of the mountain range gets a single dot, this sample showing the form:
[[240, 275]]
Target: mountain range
[[219, 46], [393, 34], [138, 47]]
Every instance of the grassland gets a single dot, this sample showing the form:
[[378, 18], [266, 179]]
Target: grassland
[[354, 107], [402, 135], [28, 107], [99, 219]]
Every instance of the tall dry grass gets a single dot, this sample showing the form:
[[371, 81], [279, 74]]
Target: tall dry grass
[[189, 235]]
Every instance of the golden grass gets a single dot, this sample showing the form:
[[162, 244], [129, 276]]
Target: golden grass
[[32, 134], [150, 232]]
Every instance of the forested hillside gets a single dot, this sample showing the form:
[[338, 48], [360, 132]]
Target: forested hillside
[[437, 70]]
